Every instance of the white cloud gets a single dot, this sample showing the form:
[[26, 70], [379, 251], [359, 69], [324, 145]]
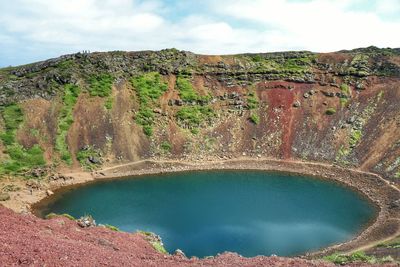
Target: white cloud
[[219, 27], [318, 25]]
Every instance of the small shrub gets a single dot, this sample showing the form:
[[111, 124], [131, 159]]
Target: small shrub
[[148, 130], [109, 103], [252, 101], [145, 116], [330, 111], [166, 146], [355, 137], [345, 89], [254, 118]]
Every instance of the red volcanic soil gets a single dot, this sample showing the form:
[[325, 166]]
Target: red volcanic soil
[[31, 241]]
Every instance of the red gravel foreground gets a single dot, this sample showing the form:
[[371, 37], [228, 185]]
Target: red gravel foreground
[[31, 241]]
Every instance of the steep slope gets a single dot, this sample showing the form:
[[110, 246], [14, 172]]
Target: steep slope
[[108, 108]]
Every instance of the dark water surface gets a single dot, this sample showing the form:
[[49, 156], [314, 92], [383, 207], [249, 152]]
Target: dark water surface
[[204, 213]]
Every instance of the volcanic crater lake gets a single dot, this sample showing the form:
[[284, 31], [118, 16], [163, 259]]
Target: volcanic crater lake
[[205, 213]]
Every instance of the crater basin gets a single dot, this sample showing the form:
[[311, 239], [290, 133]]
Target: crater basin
[[205, 213]]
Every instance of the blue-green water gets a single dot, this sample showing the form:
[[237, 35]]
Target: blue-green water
[[205, 213]]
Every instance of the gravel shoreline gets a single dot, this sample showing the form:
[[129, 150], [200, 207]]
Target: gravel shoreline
[[377, 190]]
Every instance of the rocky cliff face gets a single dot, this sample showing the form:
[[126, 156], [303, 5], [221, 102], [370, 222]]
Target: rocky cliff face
[[98, 109]]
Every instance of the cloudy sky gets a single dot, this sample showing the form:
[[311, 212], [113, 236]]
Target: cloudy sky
[[33, 30]]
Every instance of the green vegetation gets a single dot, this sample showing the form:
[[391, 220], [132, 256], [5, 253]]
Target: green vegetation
[[357, 257], [159, 247], [149, 88], [112, 227], [283, 65], [346, 94], [355, 137], [345, 89], [166, 146], [89, 158], [193, 116], [65, 65], [109, 103], [252, 101], [187, 92], [65, 120], [55, 215], [13, 117], [330, 111], [254, 118], [20, 158], [394, 243], [359, 65], [101, 85], [355, 133], [155, 241]]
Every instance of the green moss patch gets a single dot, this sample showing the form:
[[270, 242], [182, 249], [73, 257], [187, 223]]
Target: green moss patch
[[346, 94], [192, 117], [65, 120], [149, 88], [155, 241], [330, 111], [20, 158], [166, 146], [100, 85], [254, 118], [252, 101], [112, 227], [187, 92]]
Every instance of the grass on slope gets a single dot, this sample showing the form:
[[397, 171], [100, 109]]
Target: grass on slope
[[357, 257], [65, 120], [192, 117], [149, 88], [20, 158], [101, 85], [187, 92]]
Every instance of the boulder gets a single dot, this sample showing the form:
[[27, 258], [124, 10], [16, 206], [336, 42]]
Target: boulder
[[33, 184], [86, 221], [297, 104], [94, 160], [179, 253]]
